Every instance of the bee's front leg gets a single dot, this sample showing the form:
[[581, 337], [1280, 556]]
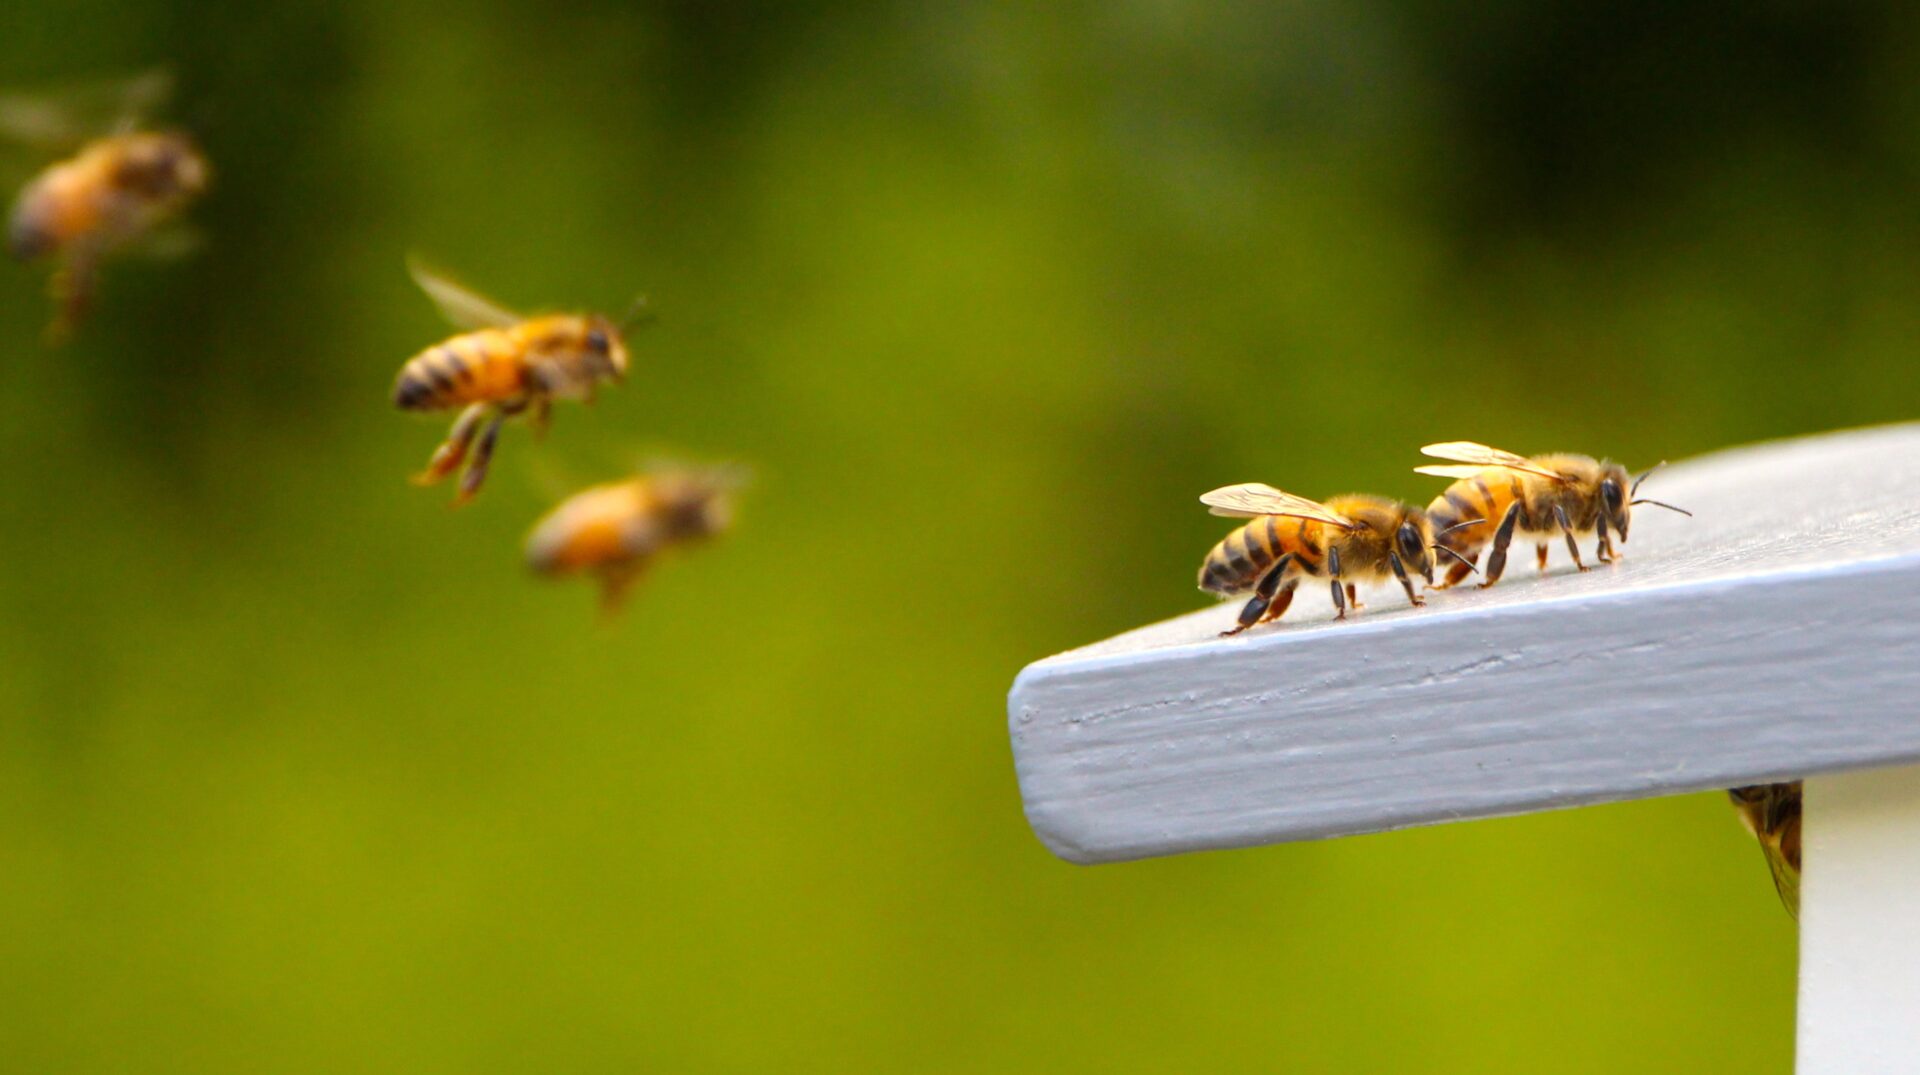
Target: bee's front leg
[[446, 458], [1603, 546], [1406, 582]]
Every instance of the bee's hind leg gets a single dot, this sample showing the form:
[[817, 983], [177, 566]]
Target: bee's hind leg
[[1566, 530], [1503, 537], [476, 474], [1268, 600], [446, 458]]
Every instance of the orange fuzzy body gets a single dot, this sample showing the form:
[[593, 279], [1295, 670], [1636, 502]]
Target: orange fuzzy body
[[1238, 561], [112, 190], [553, 355]]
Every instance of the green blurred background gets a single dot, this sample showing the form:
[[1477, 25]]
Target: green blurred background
[[298, 771]]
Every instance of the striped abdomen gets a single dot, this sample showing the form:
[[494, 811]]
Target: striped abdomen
[[478, 367], [1234, 565], [1484, 496]]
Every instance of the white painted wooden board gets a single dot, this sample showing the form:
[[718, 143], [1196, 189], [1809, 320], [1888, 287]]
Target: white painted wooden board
[[1775, 634], [1860, 924]]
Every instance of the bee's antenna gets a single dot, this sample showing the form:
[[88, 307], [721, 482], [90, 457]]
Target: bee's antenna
[[1457, 556], [1635, 491], [1459, 526], [1658, 504], [640, 313]]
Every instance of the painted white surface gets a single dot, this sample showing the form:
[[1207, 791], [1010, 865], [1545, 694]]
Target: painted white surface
[[1860, 924], [1774, 635]]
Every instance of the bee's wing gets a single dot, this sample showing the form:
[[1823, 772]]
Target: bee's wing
[[1466, 451], [457, 304], [74, 114], [1255, 499], [1448, 470]]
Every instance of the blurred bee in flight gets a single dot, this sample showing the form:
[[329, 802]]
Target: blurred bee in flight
[[116, 193], [503, 364], [1347, 539], [1499, 495], [1771, 812], [615, 531]]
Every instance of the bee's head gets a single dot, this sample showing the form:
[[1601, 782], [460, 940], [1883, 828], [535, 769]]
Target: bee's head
[[605, 343], [1413, 541], [1612, 497], [699, 501], [1617, 496], [166, 164]]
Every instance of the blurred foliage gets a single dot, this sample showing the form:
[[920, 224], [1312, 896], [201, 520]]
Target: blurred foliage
[[299, 772]]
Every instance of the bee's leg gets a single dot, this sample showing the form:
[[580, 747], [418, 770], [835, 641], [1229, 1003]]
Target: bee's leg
[[1406, 582], [1263, 597], [542, 414], [1497, 559], [1540, 554], [1280, 602], [1353, 598], [1603, 547], [482, 455], [1566, 530], [615, 583], [72, 290], [1339, 590], [446, 458], [1456, 573]]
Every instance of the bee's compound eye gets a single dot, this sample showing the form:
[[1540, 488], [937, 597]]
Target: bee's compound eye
[[597, 340], [1610, 491], [1409, 539]]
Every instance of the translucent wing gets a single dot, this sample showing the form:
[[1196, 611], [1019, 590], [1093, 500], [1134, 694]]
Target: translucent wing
[[1448, 470], [1466, 451], [75, 114], [1772, 813], [1255, 499], [466, 310]]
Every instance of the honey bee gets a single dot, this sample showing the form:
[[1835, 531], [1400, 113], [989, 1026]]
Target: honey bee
[[1346, 539], [115, 191], [615, 531], [1499, 494], [1771, 812], [503, 364]]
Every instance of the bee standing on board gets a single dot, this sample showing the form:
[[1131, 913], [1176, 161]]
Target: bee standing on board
[[115, 191], [504, 364], [1499, 495], [1347, 539], [1771, 812], [615, 531]]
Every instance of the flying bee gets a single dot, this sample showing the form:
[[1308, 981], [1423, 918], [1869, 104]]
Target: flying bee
[[1498, 495], [615, 531], [1347, 539], [118, 190], [503, 364], [1771, 812]]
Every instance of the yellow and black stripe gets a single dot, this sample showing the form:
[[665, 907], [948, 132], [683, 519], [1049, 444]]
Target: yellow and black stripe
[[1238, 561], [477, 367]]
